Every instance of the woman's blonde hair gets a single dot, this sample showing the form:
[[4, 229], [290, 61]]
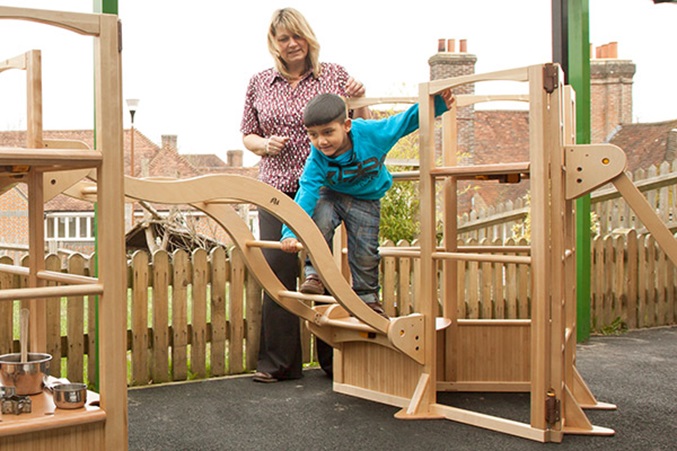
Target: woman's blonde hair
[[294, 22]]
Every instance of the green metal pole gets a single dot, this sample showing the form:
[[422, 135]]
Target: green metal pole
[[100, 7], [579, 79]]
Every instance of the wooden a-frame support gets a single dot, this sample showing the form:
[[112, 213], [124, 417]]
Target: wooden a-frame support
[[405, 361]]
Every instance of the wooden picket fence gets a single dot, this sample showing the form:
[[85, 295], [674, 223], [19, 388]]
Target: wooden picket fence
[[194, 316], [611, 212]]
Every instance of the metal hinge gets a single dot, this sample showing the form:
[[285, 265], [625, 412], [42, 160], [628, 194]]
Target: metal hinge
[[553, 408], [550, 77]]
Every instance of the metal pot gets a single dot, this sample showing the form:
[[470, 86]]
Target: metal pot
[[28, 377], [69, 396]]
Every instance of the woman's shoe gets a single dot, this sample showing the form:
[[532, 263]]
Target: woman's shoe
[[265, 378]]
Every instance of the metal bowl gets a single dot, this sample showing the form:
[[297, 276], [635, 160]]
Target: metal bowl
[[69, 396], [28, 377]]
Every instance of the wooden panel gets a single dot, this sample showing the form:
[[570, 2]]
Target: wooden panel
[[6, 310], [497, 353], [180, 315], [377, 368], [160, 349], [236, 335], [75, 325], [140, 372], [198, 345], [253, 321], [84, 437], [218, 312], [53, 323]]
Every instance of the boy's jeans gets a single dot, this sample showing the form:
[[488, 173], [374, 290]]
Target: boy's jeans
[[362, 219]]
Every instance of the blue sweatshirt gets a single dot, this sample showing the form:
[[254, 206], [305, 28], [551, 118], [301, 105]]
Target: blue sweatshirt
[[361, 171]]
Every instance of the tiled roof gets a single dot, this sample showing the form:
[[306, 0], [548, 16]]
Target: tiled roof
[[644, 144], [501, 136], [150, 158]]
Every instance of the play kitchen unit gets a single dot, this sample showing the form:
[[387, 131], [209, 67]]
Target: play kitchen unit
[[24, 374], [40, 411]]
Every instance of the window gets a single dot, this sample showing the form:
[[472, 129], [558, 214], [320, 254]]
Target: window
[[70, 226]]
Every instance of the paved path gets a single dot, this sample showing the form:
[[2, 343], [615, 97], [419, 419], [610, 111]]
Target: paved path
[[637, 371]]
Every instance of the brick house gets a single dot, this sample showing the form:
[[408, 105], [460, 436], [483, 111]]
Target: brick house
[[502, 136], [69, 222], [485, 136]]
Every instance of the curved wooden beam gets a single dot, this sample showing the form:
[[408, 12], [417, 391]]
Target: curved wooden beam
[[210, 190], [519, 74], [81, 23]]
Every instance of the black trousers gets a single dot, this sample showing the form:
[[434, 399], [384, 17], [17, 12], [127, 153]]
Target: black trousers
[[280, 351]]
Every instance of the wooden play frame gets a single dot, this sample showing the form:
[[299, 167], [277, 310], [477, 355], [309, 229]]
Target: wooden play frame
[[401, 361], [93, 427]]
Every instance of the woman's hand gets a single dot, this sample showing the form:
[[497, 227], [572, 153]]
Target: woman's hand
[[355, 88], [274, 145]]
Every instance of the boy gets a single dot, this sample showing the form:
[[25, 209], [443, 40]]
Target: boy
[[344, 179]]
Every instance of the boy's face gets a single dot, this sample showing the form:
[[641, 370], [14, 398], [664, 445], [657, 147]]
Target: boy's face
[[331, 139]]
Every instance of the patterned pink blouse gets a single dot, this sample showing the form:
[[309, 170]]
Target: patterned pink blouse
[[273, 107]]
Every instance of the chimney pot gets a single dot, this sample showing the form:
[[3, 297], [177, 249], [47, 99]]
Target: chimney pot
[[169, 142], [613, 50], [234, 158], [440, 45], [451, 45], [463, 44]]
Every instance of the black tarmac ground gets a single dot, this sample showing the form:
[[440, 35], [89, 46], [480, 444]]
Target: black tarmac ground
[[636, 371]]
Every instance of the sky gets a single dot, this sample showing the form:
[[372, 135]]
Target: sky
[[189, 62]]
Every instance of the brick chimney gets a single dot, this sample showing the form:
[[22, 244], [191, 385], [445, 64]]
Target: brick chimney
[[446, 63], [169, 142], [610, 91], [234, 158]]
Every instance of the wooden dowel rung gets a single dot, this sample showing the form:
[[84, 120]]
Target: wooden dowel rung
[[269, 244], [50, 292], [307, 297], [52, 276], [347, 324], [74, 279], [488, 258]]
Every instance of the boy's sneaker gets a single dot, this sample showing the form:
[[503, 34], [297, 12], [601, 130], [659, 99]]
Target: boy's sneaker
[[312, 285], [376, 306]]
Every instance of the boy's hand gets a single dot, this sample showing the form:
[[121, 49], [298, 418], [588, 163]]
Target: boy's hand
[[290, 245], [448, 97]]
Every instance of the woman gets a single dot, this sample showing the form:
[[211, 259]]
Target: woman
[[272, 127]]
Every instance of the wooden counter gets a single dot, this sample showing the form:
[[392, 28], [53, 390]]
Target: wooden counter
[[47, 425]]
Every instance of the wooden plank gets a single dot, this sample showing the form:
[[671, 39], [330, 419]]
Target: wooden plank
[[631, 280], [236, 335], [181, 279], [218, 311], [52, 308], [619, 295], [75, 325], [198, 345], [254, 305], [651, 282], [160, 349], [6, 310], [139, 319], [643, 275], [404, 293], [112, 271], [389, 271]]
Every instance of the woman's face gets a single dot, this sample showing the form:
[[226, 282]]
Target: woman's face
[[293, 48]]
